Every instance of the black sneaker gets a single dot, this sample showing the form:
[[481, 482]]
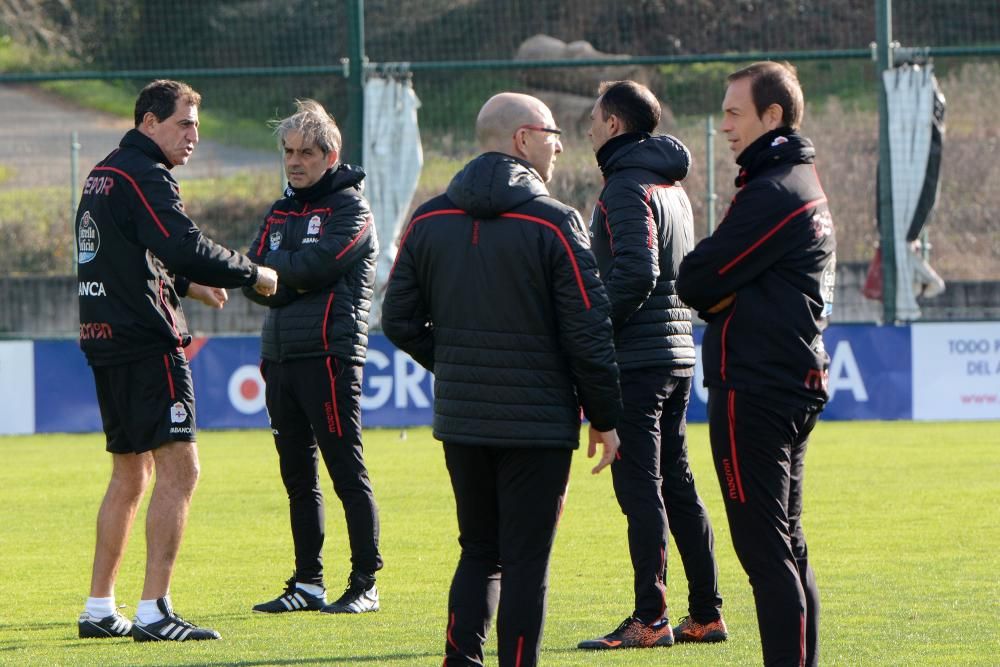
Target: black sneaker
[[360, 596], [633, 633], [293, 599], [172, 628], [114, 625]]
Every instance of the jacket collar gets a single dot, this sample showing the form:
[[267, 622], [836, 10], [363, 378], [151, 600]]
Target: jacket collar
[[136, 139], [606, 152], [338, 178], [780, 146]]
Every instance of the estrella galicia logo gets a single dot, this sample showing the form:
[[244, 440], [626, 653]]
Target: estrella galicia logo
[[88, 239], [275, 240]]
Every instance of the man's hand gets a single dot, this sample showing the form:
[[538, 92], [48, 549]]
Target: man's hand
[[722, 305], [609, 440], [267, 281], [213, 297]]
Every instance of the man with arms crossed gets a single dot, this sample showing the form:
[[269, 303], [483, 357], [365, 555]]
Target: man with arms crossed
[[641, 228], [496, 291], [764, 282], [138, 254]]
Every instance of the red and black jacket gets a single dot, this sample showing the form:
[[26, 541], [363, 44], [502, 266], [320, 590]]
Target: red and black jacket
[[496, 291], [137, 252], [775, 253], [322, 242], [641, 229]]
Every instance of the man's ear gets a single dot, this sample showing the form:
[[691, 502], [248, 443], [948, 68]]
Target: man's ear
[[149, 121], [772, 117], [614, 125], [331, 158]]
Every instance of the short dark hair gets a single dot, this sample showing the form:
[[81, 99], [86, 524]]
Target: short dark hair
[[632, 102], [160, 98], [774, 83]]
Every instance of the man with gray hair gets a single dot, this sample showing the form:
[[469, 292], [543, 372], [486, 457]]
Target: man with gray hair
[[313, 347], [495, 291]]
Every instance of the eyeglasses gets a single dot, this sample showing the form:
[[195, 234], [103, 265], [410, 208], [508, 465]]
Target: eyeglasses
[[540, 128], [551, 131]]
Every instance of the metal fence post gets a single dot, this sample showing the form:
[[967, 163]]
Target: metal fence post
[[74, 180], [883, 29], [355, 81], [710, 195]]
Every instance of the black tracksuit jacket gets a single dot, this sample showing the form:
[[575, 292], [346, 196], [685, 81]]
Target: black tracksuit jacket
[[775, 251], [137, 253], [496, 291], [322, 242], [641, 229]]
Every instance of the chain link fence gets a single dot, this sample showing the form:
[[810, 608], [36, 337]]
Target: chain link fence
[[75, 66]]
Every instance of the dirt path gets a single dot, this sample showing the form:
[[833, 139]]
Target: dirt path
[[35, 132]]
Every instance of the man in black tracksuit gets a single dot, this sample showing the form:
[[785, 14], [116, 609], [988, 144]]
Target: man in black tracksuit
[[764, 282], [138, 253], [641, 228], [495, 290], [321, 238]]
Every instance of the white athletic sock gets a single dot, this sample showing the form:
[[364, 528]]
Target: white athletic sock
[[311, 589], [100, 607], [147, 612]]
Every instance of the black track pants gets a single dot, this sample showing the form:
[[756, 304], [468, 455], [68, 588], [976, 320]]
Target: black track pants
[[759, 447], [315, 409], [508, 502], [653, 483]]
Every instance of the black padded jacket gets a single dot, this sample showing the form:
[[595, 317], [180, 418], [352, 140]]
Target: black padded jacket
[[774, 252], [641, 229], [137, 252], [496, 291], [321, 240]]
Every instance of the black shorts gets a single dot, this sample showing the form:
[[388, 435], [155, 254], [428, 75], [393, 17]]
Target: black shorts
[[146, 403]]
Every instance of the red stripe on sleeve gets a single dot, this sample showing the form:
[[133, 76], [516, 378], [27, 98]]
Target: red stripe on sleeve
[[424, 216], [771, 232], [368, 222], [142, 197], [569, 251]]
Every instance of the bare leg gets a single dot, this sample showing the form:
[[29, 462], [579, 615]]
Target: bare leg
[[176, 476], [130, 476]]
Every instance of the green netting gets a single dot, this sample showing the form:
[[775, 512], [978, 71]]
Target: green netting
[[251, 58]]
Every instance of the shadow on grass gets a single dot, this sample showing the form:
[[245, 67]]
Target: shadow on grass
[[325, 660]]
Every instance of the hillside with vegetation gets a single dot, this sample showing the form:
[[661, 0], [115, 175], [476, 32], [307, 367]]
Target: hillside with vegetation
[[113, 35]]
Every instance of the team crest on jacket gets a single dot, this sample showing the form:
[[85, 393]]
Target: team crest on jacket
[[779, 140], [88, 239], [275, 240], [313, 225], [822, 224], [827, 285]]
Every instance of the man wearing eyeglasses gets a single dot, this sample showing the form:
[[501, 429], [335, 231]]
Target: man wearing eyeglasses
[[496, 291], [641, 229]]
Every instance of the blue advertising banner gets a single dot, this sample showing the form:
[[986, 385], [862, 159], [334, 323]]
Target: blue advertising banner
[[869, 374], [870, 378], [230, 391], [65, 398]]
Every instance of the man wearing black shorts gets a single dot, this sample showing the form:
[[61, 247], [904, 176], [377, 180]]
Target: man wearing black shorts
[[138, 253]]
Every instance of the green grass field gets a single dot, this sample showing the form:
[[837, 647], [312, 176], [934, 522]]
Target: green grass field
[[901, 520]]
